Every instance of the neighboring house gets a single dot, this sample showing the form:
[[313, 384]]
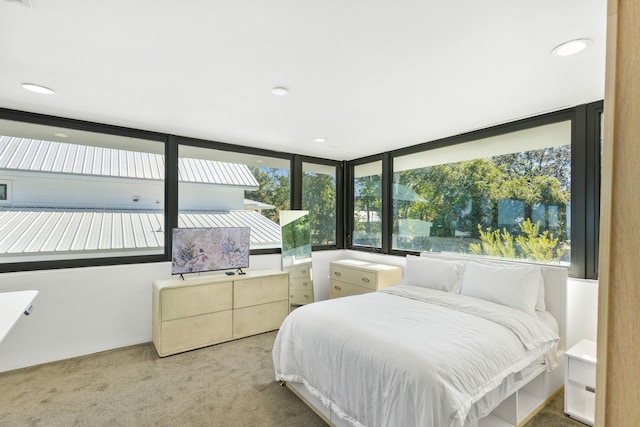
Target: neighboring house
[[59, 200]]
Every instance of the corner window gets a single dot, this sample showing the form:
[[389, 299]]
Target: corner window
[[506, 196]]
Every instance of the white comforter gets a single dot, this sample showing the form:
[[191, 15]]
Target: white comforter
[[407, 355]]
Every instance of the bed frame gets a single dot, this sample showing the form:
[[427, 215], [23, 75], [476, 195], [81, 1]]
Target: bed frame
[[530, 394]]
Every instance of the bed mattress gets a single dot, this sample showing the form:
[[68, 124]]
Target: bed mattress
[[408, 355]]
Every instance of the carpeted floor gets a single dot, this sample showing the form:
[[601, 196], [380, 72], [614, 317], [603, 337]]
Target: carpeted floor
[[230, 384]]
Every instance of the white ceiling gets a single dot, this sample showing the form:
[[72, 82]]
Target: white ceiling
[[368, 75]]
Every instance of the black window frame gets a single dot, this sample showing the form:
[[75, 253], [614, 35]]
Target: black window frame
[[296, 196], [585, 188], [47, 120]]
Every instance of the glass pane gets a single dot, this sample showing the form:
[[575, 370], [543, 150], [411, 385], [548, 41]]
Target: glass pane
[[71, 194], [319, 198], [506, 196], [226, 189], [367, 209]]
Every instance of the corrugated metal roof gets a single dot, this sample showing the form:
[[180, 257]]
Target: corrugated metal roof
[[255, 205], [58, 157], [41, 231]]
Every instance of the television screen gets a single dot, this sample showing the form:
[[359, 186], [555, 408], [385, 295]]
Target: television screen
[[208, 249]]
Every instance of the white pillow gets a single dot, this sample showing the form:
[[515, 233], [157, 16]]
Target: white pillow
[[514, 286], [433, 273], [540, 304]]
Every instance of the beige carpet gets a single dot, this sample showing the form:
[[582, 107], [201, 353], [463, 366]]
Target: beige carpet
[[230, 384]]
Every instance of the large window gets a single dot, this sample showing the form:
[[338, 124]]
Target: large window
[[319, 198], [73, 194], [219, 188], [367, 204], [506, 196]]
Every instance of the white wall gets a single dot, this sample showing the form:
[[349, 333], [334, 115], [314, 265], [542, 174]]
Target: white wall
[[81, 311], [582, 310]]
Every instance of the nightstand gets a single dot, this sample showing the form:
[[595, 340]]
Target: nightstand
[[353, 277], [580, 382]]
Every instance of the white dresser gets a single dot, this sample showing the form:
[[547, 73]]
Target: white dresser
[[353, 277], [580, 381], [205, 310], [300, 283]]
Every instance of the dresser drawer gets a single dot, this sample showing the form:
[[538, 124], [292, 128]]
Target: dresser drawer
[[187, 301], [298, 271], [195, 331], [304, 283], [300, 296], [259, 318], [361, 278], [260, 290], [582, 372], [342, 289]]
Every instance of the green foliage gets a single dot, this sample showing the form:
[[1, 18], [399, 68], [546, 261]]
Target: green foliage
[[274, 189], [319, 198], [531, 245], [538, 246], [494, 243], [296, 237]]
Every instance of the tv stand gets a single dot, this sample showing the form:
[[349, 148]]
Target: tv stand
[[204, 310], [239, 270]]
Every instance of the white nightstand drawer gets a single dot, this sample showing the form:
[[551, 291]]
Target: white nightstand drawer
[[297, 271], [582, 372], [300, 296], [341, 289], [362, 278], [304, 283]]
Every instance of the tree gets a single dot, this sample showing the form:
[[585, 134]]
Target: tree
[[531, 244], [368, 200], [274, 189], [319, 198]]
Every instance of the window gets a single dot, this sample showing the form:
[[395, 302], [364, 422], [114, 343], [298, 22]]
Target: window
[[219, 188], [505, 196], [319, 198], [367, 204], [77, 194]]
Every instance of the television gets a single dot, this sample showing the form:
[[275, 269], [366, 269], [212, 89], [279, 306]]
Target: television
[[210, 249]]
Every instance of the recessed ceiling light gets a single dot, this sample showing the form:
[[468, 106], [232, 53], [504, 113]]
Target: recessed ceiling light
[[61, 135], [319, 139], [279, 90], [37, 89], [259, 161], [571, 47]]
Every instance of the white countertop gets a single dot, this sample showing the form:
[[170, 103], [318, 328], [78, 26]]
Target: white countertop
[[12, 306]]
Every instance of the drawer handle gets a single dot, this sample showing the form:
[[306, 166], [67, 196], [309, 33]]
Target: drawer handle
[[590, 389], [337, 273], [306, 296], [305, 283], [337, 288], [364, 279], [303, 271]]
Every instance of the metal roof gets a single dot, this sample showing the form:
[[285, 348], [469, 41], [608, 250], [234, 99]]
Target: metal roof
[[28, 231], [33, 155]]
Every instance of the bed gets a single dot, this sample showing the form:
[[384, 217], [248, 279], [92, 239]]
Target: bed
[[459, 342]]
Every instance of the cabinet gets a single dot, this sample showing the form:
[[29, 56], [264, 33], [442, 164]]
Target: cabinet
[[353, 277], [300, 283], [580, 382], [204, 310]]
